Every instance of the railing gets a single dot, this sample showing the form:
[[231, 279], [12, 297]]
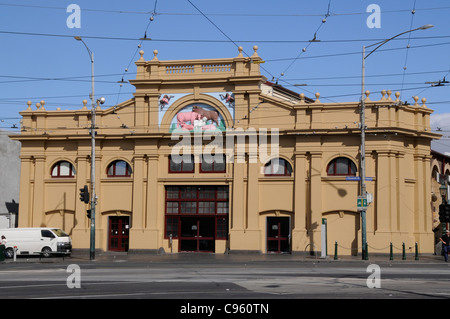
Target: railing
[[197, 68], [216, 67], [179, 69]]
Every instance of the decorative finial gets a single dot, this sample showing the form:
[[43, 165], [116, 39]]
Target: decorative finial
[[302, 98], [397, 96], [42, 104], [416, 98], [367, 95], [29, 105], [255, 48], [240, 49], [317, 97], [155, 55], [389, 92], [424, 100], [84, 104], [383, 94], [142, 55]]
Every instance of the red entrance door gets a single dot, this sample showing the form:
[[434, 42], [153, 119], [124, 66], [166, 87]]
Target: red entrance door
[[197, 234], [278, 234], [118, 233]]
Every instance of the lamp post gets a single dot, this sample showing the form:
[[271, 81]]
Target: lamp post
[[363, 191], [93, 133]]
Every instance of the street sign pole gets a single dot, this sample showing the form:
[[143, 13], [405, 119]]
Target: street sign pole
[[362, 207]]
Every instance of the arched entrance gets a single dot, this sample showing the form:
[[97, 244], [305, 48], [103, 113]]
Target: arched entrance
[[119, 231], [278, 238]]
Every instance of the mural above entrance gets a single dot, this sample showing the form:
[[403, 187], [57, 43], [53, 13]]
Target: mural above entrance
[[198, 117], [168, 99]]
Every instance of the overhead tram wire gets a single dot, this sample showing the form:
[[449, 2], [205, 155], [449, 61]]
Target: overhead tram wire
[[367, 76], [97, 37], [233, 14], [221, 31], [211, 40], [413, 11], [314, 39], [81, 78], [131, 61], [428, 87], [355, 52]]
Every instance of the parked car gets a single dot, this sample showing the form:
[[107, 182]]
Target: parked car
[[36, 241]]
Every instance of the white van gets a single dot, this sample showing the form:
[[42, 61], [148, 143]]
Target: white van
[[30, 241]]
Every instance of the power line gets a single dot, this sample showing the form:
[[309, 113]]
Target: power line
[[413, 11], [220, 30], [87, 77], [52, 97], [133, 57], [355, 52], [367, 76], [232, 14], [208, 40], [314, 39]]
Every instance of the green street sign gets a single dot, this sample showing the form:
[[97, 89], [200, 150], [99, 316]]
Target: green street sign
[[361, 202]]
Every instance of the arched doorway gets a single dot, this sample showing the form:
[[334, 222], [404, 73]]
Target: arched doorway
[[278, 228], [278, 235], [119, 231]]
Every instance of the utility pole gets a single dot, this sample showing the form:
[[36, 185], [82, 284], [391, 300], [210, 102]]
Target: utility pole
[[363, 191], [362, 172], [93, 133]]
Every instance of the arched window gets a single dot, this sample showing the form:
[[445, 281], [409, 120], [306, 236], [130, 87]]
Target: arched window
[[63, 169], [341, 166], [119, 169], [278, 167]]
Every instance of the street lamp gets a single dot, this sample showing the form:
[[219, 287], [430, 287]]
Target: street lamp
[[363, 191], [92, 132]]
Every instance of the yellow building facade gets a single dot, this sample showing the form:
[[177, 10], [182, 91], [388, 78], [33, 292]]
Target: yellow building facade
[[208, 156]]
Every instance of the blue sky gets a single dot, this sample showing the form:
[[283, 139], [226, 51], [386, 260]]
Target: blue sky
[[40, 60]]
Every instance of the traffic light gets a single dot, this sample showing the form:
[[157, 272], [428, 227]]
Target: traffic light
[[84, 194], [444, 213], [88, 213]]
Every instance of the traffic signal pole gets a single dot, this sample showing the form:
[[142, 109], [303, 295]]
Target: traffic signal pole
[[93, 197], [93, 133], [363, 190]]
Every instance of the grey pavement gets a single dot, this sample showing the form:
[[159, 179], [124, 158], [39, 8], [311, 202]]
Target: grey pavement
[[228, 258], [225, 277]]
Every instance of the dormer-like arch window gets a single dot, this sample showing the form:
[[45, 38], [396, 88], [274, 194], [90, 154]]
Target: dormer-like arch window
[[119, 168], [63, 169], [341, 166], [277, 167]]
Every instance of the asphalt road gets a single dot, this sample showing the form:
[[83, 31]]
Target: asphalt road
[[193, 279]]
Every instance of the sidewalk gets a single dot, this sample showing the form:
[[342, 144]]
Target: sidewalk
[[252, 257], [237, 258]]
